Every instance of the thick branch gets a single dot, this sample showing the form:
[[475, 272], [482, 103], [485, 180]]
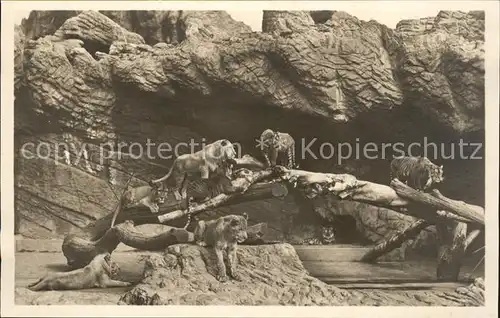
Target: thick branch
[[80, 248], [471, 212], [471, 237], [129, 235], [451, 250], [142, 215], [79, 251], [247, 161], [395, 241], [409, 201], [242, 184]]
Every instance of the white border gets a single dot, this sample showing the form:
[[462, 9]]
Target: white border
[[492, 105]]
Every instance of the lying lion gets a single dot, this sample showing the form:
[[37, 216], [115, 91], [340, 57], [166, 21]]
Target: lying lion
[[97, 273]]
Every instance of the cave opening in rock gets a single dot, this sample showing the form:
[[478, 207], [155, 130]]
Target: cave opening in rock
[[93, 46], [346, 232]]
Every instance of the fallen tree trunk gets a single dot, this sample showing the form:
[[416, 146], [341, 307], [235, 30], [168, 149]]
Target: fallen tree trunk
[[432, 208], [142, 215], [453, 240], [344, 186], [395, 241], [81, 247], [80, 252], [242, 184], [451, 249], [469, 212], [398, 196]]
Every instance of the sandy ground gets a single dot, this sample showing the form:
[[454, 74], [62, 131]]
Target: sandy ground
[[32, 265]]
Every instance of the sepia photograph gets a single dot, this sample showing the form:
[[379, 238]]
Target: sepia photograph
[[192, 155]]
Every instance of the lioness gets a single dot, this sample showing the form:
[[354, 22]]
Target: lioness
[[97, 273], [146, 195], [211, 158], [223, 234]]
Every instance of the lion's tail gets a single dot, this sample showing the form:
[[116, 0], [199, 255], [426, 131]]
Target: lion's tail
[[165, 177], [33, 286], [117, 211], [188, 213]]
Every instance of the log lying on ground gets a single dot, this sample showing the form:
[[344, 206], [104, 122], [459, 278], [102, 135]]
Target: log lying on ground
[[81, 247], [79, 251], [451, 249], [395, 241], [347, 187]]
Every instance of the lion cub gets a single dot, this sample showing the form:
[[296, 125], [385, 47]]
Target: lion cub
[[98, 273], [223, 234]]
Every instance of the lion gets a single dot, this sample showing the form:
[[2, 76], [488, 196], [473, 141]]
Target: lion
[[223, 234], [200, 191], [197, 165], [146, 195], [97, 273]]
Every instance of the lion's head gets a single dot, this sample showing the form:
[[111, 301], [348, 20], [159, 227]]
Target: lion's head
[[110, 267], [237, 227], [243, 173], [220, 150], [160, 192]]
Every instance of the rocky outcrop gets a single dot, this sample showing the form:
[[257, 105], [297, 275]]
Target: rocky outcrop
[[443, 68], [19, 40], [184, 275], [154, 26], [88, 78], [338, 75]]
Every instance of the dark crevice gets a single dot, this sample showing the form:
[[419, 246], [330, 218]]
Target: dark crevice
[[92, 47], [345, 230], [321, 16]]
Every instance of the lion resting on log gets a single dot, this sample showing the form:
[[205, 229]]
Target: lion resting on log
[[97, 274]]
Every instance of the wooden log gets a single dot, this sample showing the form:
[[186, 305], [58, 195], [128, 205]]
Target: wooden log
[[409, 201], [395, 241], [80, 251], [440, 202], [142, 215], [471, 237], [243, 185], [247, 161], [450, 216], [130, 236], [451, 249], [255, 234], [82, 246]]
